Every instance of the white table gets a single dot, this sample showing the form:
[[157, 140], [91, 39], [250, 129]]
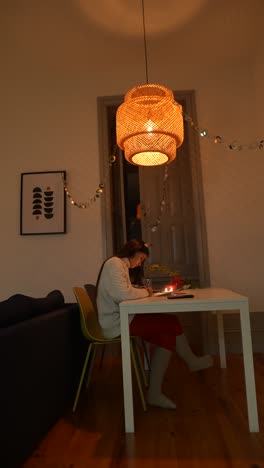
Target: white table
[[207, 299]]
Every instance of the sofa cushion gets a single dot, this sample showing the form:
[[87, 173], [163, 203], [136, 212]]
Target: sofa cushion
[[15, 309], [54, 300], [20, 307]]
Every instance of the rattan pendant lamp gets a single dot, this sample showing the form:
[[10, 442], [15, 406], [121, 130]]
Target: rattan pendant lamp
[[149, 124]]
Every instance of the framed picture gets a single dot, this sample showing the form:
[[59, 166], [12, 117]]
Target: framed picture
[[43, 203]]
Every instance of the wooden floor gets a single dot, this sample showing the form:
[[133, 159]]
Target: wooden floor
[[209, 428]]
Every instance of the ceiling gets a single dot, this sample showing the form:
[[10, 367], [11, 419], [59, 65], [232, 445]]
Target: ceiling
[[125, 16]]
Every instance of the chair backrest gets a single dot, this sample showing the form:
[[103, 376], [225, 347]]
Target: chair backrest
[[91, 290], [89, 322]]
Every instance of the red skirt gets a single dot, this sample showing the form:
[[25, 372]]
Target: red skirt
[[158, 329]]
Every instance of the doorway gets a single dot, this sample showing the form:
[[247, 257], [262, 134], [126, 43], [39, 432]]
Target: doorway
[[180, 242], [131, 205]]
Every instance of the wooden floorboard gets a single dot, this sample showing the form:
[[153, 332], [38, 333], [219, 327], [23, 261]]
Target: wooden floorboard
[[209, 428]]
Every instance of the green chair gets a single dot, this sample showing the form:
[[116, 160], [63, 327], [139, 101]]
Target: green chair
[[91, 291], [92, 332]]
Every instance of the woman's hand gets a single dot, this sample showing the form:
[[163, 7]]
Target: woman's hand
[[150, 291]]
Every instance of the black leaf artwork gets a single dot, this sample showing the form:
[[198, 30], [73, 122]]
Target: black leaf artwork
[[43, 203]]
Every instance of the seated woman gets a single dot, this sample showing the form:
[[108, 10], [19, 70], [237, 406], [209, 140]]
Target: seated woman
[[162, 330]]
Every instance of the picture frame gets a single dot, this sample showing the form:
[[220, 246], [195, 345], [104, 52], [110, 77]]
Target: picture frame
[[43, 203]]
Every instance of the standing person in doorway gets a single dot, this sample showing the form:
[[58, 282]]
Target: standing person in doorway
[[162, 330]]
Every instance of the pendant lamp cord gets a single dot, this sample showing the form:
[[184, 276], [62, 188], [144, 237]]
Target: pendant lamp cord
[[145, 41]]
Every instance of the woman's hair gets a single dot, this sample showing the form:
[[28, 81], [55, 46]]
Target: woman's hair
[[128, 250], [132, 247]]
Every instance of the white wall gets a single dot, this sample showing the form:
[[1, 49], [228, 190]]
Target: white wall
[[56, 60]]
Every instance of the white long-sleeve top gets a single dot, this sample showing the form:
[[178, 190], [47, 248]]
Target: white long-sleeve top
[[114, 287]]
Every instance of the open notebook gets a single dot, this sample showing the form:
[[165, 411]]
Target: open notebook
[[174, 295], [161, 293]]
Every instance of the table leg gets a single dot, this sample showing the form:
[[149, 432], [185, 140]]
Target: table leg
[[249, 369], [221, 339], [127, 377]]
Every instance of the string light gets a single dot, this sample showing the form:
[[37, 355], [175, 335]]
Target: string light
[[99, 191], [203, 133], [219, 140]]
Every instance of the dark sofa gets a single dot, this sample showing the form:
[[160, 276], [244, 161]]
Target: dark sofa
[[41, 354]]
